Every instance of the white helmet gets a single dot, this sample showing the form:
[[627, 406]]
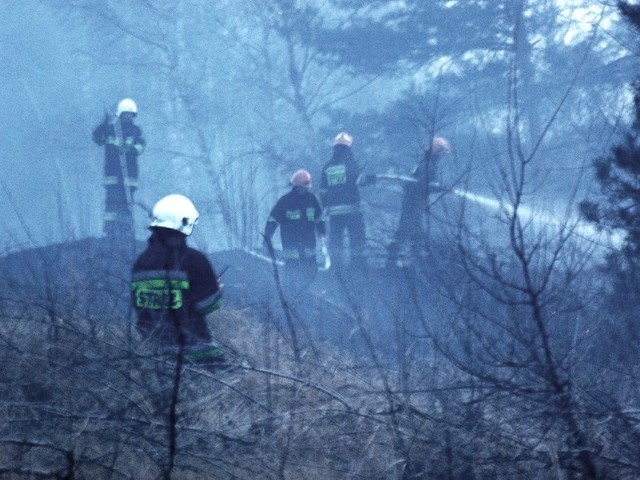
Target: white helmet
[[176, 212], [343, 138], [127, 105], [301, 178]]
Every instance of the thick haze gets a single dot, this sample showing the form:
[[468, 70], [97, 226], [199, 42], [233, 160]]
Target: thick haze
[[488, 339], [43, 148], [229, 110]]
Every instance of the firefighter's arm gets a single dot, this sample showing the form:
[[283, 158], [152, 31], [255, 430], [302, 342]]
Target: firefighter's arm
[[136, 143], [139, 144], [99, 134], [207, 292], [269, 229]]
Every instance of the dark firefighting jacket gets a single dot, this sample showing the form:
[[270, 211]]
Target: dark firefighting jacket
[[338, 183], [299, 216], [173, 288], [123, 142], [425, 173]]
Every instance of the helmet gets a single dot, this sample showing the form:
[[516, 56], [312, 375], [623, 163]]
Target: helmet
[[127, 105], [176, 212], [343, 138], [440, 145], [301, 178]]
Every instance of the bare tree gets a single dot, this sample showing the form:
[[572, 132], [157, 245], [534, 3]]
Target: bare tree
[[518, 310]]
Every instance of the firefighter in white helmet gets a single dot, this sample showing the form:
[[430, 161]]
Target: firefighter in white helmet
[[174, 286], [123, 142], [298, 214], [410, 236]]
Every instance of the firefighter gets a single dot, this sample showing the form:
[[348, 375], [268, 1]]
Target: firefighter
[[298, 213], [174, 286], [340, 196], [123, 142], [411, 233]]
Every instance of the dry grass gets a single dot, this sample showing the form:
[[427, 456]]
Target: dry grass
[[83, 397]]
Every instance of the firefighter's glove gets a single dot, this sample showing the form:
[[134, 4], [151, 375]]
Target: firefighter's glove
[[129, 146]]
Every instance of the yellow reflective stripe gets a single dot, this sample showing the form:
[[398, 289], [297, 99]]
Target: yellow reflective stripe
[[311, 214], [159, 289], [129, 142], [117, 215], [342, 209], [210, 304], [164, 275], [113, 180], [336, 175], [290, 254], [160, 283], [293, 214]]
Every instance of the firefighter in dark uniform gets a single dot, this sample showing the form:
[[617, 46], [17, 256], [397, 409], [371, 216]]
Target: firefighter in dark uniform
[[299, 216], [410, 237], [174, 286], [123, 142], [340, 197]]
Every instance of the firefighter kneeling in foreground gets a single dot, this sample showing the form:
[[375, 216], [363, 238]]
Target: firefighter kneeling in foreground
[[299, 216], [174, 286]]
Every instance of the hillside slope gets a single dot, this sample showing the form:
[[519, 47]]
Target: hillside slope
[[305, 395]]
